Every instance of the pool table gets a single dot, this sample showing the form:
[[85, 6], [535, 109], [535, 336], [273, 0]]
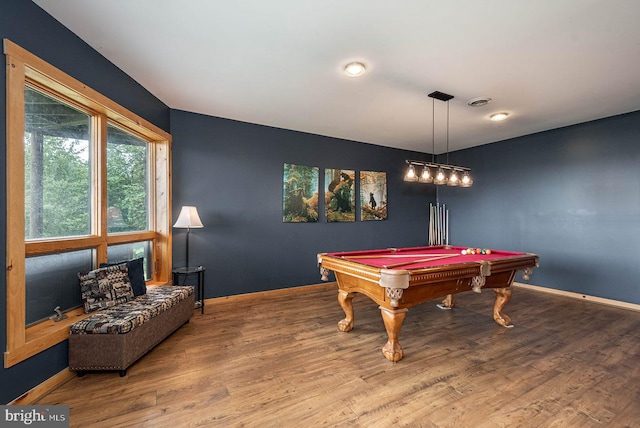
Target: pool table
[[398, 278]]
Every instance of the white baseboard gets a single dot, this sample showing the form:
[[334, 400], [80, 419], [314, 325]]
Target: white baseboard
[[580, 296]]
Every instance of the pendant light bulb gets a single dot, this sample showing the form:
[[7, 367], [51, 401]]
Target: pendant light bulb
[[411, 174], [425, 177], [466, 180], [440, 177], [453, 179]]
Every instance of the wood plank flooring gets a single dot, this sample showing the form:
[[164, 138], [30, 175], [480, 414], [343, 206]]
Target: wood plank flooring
[[280, 361]]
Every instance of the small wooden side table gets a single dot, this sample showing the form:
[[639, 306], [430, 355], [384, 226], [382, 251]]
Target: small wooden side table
[[185, 272]]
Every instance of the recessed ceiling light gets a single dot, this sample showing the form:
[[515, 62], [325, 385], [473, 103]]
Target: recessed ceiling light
[[354, 69], [497, 117], [479, 102]]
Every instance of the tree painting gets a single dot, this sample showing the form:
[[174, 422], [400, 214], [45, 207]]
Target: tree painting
[[300, 193], [339, 195], [373, 195]]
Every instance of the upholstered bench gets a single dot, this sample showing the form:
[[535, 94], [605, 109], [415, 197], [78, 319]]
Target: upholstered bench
[[115, 337]]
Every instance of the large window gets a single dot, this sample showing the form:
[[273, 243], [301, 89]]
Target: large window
[[87, 183]]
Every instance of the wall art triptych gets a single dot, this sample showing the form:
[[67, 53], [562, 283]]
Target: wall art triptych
[[300, 186]]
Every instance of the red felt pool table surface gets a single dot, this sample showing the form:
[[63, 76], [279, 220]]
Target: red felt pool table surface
[[398, 278], [421, 257]]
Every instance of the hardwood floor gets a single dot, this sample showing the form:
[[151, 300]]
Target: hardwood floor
[[279, 360]]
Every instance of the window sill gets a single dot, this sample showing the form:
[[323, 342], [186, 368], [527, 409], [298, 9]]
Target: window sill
[[42, 336]]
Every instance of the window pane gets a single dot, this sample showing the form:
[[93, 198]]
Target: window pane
[[127, 182], [52, 280], [124, 252], [57, 168]]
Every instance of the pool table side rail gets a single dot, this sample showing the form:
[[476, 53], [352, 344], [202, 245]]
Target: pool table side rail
[[432, 273]]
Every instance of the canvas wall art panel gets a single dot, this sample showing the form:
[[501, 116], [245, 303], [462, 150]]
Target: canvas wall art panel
[[373, 195], [339, 195], [300, 193]]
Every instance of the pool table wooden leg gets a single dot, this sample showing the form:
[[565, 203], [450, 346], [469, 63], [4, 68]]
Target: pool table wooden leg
[[503, 295], [346, 303], [393, 319], [448, 302]]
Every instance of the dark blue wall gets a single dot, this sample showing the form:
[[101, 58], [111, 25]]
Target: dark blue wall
[[232, 172], [571, 195], [24, 23]]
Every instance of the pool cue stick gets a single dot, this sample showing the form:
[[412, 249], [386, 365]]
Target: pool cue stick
[[429, 224], [444, 224], [437, 224], [430, 259], [436, 212], [433, 225], [432, 232], [398, 256], [445, 238], [447, 231]]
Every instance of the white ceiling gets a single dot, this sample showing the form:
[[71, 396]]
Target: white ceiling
[[549, 63]]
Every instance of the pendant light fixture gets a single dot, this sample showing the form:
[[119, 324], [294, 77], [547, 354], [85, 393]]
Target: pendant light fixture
[[439, 173]]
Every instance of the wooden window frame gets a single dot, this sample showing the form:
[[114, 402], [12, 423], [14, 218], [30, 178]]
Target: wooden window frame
[[24, 68]]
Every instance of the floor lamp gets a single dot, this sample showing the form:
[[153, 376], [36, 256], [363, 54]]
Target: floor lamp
[[188, 219]]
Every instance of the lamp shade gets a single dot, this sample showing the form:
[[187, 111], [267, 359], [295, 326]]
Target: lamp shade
[[188, 218]]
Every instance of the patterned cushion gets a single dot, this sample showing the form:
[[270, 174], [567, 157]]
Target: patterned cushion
[[125, 317], [136, 275], [105, 287], [95, 289], [118, 276]]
